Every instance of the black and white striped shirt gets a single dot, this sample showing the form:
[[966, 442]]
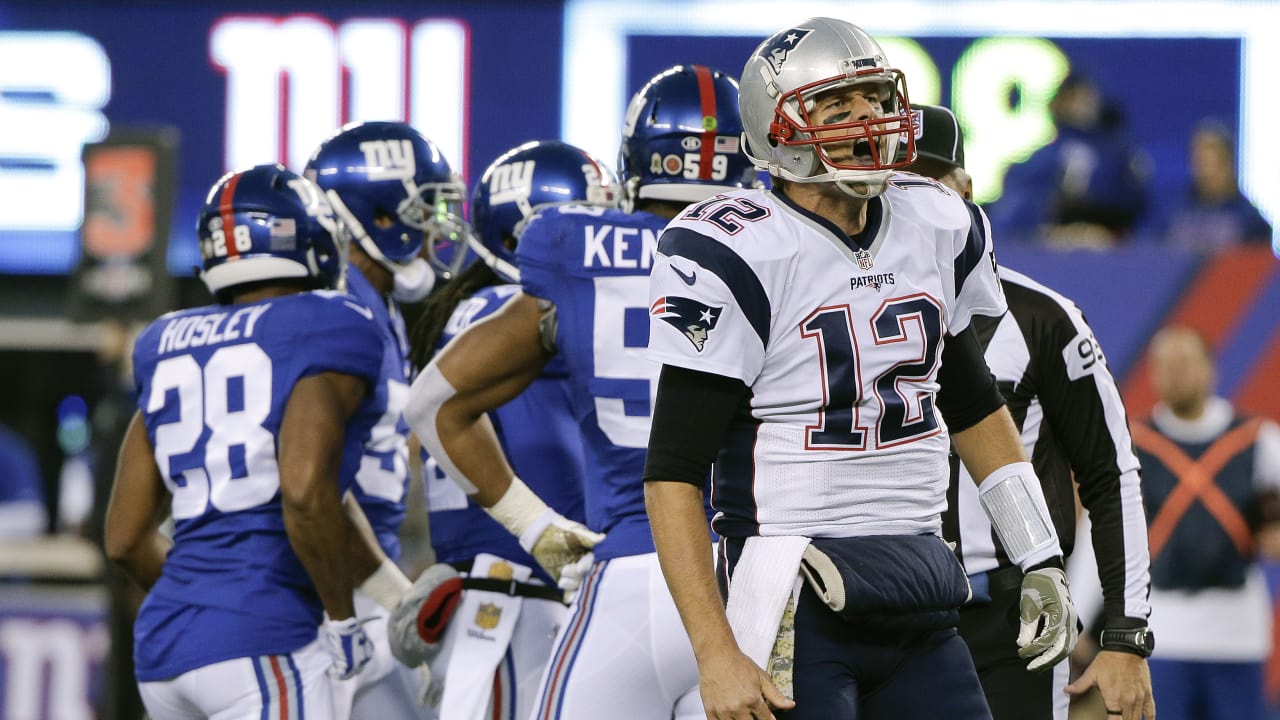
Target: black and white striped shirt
[[1064, 401]]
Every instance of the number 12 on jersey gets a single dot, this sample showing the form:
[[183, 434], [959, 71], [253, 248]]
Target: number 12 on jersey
[[909, 328]]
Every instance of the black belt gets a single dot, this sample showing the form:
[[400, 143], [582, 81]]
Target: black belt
[[514, 588]]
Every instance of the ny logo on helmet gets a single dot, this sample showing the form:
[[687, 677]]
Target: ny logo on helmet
[[692, 318], [388, 159], [511, 182], [783, 43]]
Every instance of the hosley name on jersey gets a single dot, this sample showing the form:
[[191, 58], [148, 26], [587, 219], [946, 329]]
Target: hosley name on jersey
[[872, 281], [199, 330]]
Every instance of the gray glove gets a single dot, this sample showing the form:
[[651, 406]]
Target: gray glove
[[415, 629], [1048, 630]]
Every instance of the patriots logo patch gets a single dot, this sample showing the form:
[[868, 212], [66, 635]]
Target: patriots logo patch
[[692, 318], [783, 43]]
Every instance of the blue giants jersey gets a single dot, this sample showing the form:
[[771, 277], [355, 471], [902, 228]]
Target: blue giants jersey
[[382, 476], [594, 265], [540, 437], [212, 386]]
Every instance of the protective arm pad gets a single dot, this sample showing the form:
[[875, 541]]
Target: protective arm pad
[[1015, 504], [429, 393], [386, 585]]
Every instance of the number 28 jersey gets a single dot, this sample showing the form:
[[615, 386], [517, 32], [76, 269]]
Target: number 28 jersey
[[839, 340], [213, 383]]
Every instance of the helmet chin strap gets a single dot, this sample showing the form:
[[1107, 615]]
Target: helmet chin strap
[[860, 188], [357, 233], [413, 281]]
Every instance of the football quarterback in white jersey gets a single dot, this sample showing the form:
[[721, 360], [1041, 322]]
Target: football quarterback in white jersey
[[816, 352]]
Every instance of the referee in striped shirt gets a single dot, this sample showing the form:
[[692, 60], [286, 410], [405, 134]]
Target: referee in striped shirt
[[1066, 404]]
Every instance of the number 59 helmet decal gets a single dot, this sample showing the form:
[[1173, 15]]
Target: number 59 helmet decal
[[682, 138]]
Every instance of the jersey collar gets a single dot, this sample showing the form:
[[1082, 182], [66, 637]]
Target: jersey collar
[[860, 241]]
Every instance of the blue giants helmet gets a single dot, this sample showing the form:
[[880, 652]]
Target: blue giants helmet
[[393, 191], [681, 140], [524, 180], [268, 223]]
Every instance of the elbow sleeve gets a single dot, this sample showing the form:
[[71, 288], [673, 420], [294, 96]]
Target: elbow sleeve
[[968, 391]]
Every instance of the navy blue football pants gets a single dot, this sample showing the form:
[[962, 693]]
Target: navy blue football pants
[[990, 631], [844, 671]]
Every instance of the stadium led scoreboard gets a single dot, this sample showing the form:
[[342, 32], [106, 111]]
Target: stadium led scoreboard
[[243, 83]]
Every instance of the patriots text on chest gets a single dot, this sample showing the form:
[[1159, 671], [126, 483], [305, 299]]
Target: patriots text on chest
[[618, 247]]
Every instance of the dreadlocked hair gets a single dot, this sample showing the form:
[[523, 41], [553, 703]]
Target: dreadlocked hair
[[439, 307]]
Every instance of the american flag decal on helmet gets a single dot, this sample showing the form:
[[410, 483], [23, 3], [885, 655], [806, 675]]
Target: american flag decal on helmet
[[692, 318]]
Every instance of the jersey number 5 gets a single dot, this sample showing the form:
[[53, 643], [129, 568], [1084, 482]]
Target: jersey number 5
[[904, 416], [237, 469]]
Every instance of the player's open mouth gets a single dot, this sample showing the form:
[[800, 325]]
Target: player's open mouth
[[859, 155], [862, 153]]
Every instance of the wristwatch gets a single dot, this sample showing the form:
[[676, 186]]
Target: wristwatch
[[1138, 641]]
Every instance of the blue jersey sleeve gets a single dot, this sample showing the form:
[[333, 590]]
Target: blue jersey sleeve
[[541, 254]]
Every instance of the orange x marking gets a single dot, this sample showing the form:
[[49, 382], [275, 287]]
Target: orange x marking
[[1195, 482]]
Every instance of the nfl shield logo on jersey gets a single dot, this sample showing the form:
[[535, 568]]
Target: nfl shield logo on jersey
[[488, 615], [864, 259], [692, 318]]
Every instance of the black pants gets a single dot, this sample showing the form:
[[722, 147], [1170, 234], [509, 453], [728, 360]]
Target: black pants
[[847, 672], [991, 632]]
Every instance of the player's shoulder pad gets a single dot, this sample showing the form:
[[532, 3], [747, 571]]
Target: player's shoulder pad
[[327, 311], [497, 295], [748, 223], [483, 303], [565, 221], [929, 200]]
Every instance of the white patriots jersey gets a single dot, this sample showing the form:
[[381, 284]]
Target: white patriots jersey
[[839, 340]]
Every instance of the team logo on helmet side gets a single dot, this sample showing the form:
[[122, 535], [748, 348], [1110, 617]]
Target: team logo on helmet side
[[693, 319], [512, 182], [777, 51], [388, 159]]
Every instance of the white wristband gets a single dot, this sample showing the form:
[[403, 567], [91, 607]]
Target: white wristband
[[386, 585], [1015, 504], [518, 509]]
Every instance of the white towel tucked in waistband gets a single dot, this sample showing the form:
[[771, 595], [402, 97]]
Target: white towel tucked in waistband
[[763, 581]]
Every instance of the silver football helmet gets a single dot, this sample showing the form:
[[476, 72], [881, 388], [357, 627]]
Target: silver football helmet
[[779, 86]]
